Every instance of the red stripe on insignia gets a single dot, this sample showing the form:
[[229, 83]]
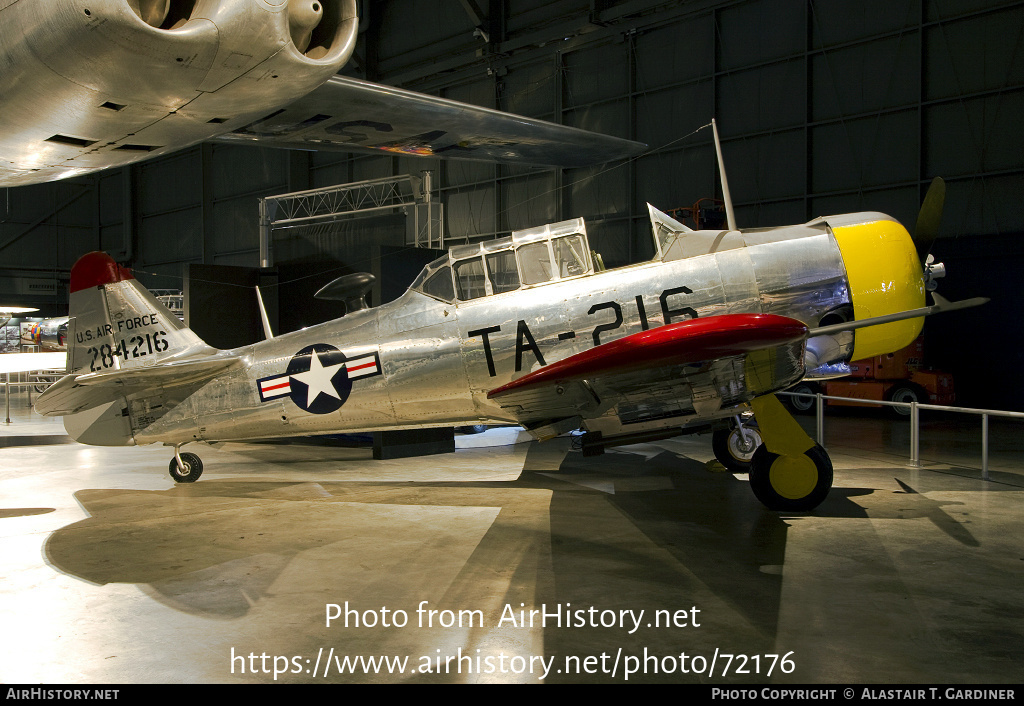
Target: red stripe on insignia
[[371, 364], [278, 386]]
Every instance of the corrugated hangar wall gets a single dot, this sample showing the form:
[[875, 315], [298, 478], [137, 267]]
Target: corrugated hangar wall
[[824, 106]]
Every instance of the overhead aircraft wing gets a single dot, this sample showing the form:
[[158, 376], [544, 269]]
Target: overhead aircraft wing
[[346, 114], [694, 366], [76, 393]]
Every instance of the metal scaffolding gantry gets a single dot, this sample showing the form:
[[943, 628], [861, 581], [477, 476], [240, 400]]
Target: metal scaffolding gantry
[[413, 194]]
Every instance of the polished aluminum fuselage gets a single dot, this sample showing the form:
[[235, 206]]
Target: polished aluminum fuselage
[[439, 359]]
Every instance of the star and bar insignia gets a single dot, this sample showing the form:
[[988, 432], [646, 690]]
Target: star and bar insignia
[[319, 378]]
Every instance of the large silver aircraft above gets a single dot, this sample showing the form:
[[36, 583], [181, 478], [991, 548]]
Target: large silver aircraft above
[[92, 85], [529, 329]]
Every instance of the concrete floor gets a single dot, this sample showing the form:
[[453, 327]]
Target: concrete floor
[[114, 574]]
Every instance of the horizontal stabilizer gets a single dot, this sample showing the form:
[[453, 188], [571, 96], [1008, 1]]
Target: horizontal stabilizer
[[76, 393], [178, 372]]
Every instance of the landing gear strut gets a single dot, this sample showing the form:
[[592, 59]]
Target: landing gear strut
[[185, 467]]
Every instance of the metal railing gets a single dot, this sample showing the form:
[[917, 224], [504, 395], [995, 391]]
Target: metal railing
[[915, 421], [35, 378]]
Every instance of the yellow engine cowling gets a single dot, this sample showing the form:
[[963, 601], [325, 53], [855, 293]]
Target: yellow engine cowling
[[885, 277]]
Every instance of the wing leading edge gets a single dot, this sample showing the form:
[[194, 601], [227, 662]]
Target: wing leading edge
[[349, 115], [694, 366]]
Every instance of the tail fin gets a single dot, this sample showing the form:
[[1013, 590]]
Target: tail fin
[[116, 324], [130, 360]]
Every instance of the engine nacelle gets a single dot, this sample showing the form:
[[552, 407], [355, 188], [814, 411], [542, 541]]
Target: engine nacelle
[[90, 83]]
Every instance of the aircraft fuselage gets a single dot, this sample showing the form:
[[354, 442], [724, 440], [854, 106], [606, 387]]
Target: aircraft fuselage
[[425, 362]]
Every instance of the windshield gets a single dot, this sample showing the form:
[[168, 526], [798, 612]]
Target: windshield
[[526, 258], [436, 280]]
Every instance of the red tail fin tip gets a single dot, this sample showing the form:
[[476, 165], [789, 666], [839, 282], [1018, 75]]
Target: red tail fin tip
[[96, 269]]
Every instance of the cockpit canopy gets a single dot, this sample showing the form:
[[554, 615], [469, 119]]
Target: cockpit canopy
[[560, 251], [527, 258]]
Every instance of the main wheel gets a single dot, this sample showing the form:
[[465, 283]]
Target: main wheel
[[733, 452], [791, 483], [190, 473]]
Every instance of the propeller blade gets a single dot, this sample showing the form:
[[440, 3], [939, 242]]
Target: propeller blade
[[929, 218]]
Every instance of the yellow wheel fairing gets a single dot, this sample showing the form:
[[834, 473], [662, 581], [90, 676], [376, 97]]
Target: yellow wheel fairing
[[791, 482], [885, 277], [793, 477]]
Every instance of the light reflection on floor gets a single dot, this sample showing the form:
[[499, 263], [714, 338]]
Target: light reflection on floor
[[113, 574]]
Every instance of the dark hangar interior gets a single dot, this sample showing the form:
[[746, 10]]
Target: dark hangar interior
[[904, 575]]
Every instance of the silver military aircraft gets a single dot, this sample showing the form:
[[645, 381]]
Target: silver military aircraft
[[530, 329], [105, 83]]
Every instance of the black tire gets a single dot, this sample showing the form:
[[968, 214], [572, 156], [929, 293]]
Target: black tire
[[905, 392], [190, 474], [731, 451], [801, 405], [795, 485], [472, 429]]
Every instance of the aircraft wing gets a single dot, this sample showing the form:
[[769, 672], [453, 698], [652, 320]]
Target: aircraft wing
[[694, 366], [346, 114], [76, 393]]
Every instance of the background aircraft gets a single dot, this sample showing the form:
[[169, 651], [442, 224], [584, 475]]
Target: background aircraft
[[526, 329], [111, 82], [26, 362], [52, 334]]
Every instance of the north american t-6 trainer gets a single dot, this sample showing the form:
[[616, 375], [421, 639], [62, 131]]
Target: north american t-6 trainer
[[529, 329]]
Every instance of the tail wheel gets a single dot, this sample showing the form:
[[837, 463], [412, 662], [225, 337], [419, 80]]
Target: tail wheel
[[733, 450], [791, 483], [190, 473]]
